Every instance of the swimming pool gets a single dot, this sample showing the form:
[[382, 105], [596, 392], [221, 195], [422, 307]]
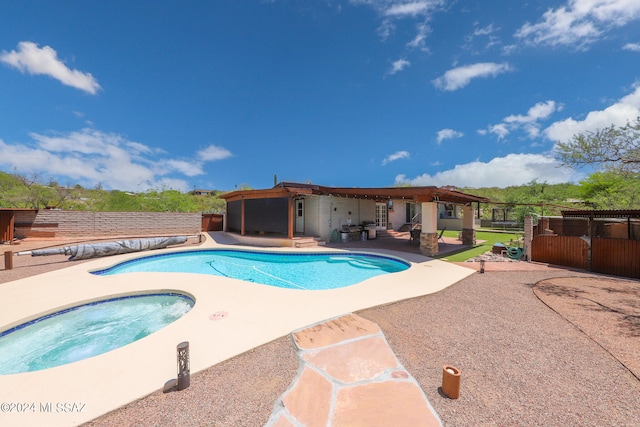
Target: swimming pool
[[87, 330], [308, 271]]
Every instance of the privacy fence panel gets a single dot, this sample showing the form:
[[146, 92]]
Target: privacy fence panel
[[618, 257], [560, 250], [212, 222], [6, 226]]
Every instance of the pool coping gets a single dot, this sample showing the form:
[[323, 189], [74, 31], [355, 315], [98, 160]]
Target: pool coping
[[230, 317]]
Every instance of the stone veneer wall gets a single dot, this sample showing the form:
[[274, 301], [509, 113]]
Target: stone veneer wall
[[468, 236], [59, 223], [429, 244]]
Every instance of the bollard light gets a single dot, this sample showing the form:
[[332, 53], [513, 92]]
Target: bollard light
[[481, 266], [451, 382], [184, 375]]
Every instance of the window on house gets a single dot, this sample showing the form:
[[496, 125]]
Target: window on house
[[449, 211]]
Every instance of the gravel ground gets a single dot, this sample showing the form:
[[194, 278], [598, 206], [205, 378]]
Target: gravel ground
[[535, 348], [238, 392], [521, 363]]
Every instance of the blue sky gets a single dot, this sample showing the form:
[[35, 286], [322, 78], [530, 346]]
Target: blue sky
[[133, 95]]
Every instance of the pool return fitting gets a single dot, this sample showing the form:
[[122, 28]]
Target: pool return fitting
[[450, 382]]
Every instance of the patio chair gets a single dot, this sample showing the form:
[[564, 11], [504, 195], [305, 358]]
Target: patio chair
[[415, 236], [440, 239]]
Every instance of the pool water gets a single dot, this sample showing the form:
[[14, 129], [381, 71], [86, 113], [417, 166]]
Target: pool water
[[310, 271], [87, 330]]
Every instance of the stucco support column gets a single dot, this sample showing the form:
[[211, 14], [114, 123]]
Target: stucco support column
[[429, 234], [468, 234]]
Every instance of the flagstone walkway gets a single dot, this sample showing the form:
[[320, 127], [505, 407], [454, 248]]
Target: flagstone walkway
[[349, 376]]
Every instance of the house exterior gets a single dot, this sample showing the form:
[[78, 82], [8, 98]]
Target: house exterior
[[202, 192], [294, 209], [403, 215]]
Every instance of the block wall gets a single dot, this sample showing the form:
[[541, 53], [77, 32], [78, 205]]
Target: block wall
[[59, 223]]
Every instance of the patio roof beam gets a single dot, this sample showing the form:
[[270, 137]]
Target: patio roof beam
[[416, 194]]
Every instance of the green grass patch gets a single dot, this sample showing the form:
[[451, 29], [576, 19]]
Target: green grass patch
[[490, 238]]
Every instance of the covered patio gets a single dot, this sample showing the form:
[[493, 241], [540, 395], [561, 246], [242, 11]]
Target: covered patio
[[294, 209]]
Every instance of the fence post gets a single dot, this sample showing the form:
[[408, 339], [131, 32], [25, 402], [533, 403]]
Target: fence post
[[8, 260], [528, 237]]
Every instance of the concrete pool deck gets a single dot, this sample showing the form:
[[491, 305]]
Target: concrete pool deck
[[230, 317]]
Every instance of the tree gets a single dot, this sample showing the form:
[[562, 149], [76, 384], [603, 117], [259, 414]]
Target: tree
[[615, 148], [610, 190]]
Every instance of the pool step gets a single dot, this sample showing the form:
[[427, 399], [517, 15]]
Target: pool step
[[308, 242]]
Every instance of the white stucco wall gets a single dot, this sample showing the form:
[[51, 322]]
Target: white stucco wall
[[312, 216], [397, 217], [325, 213]]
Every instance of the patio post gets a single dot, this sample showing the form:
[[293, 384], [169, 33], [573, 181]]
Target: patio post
[[468, 234], [429, 234], [242, 218], [290, 213]]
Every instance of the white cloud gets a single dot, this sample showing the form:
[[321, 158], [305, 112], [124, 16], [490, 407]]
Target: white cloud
[[33, 59], [398, 66], [89, 157], [634, 47], [528, 123], [541, 110], [213, 153], [579, 22], [459, 77], [500, 130], [392, 11], [184, 167], [386, 29], [448, 134], [419, 40], [497, 173], [485, 33], [627, 109], [395, 156], [400, 9]]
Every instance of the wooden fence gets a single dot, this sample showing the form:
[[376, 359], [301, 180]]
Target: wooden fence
[[212, 222], [6, 226], [560, 250], [618, 257]]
